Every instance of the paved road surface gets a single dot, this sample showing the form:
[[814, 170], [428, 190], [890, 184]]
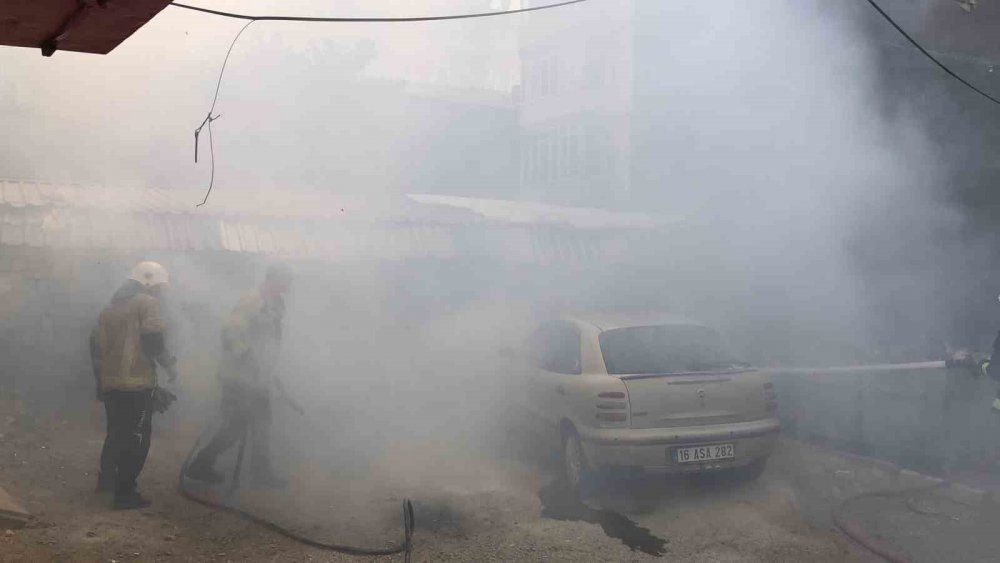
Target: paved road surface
[[472, 505]]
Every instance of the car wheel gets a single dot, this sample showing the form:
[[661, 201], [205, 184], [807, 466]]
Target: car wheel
[[577, 470]]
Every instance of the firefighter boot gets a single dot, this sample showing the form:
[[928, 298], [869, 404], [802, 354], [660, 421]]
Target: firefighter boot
[[204, 472]]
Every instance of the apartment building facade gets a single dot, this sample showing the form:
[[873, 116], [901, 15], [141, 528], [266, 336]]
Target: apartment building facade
[[575, 104]]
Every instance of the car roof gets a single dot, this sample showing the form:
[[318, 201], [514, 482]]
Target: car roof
[[603, 321]]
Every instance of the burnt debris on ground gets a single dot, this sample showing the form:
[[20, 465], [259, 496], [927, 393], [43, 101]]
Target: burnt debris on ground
[[560, 503]]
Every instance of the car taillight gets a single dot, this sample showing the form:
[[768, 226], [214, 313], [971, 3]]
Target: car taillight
[[612, 410], [770, 397]]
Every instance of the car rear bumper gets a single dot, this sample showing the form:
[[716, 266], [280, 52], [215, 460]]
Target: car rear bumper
[[653, 448]]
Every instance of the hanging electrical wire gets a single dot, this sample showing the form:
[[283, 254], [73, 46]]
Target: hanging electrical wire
[[928, 55], [209, 118], [373, 20]]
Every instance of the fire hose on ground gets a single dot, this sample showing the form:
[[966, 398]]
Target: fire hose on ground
[[405, 546], [863, 538], [847, 526]]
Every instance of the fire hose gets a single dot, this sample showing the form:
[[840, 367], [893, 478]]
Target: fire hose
[[405, 546], [845, 525], [863, 538]]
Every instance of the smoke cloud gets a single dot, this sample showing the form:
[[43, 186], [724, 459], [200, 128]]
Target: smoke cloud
[[760, 126]]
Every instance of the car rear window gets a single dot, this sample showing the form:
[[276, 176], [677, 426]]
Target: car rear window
[[665, 349]]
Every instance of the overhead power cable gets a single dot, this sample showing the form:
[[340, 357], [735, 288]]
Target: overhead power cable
[[372, 20], [207, 122], [210, 118], [929, 55]]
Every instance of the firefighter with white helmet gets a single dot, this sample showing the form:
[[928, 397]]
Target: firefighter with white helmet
[[126, 347], [150, 274]]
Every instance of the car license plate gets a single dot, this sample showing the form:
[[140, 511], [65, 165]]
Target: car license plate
[[696, 454]]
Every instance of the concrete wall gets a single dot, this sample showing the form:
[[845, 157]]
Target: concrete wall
[[40, 306], [936, 420]]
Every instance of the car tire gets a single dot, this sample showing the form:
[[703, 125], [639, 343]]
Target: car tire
[[576, 469]]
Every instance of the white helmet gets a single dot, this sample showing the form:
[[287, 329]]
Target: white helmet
[[149, 274]]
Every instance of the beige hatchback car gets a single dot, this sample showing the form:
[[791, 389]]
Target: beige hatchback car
[[649, 394]]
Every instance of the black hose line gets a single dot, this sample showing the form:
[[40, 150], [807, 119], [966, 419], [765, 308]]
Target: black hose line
[[861, 537], [405, 546]]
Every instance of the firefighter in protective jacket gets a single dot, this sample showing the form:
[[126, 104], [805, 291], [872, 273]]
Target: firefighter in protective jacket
[[251, 339], [126, 347]]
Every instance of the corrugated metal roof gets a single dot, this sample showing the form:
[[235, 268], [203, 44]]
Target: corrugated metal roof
[[96, 29], [231, 202], [536, 213], [12, 231], [13, 195], [274, 203], [302, 225], [69, 228]]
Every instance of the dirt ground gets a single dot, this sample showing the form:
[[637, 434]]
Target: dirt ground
[[472, 508]]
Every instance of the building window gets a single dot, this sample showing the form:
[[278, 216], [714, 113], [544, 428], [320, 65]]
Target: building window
[[601, 58], [575, 144], [594, 66], [540, 77], [565, 152], [548, 154]]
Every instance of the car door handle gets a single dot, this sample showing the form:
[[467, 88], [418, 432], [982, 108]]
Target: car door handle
[[560, 389]]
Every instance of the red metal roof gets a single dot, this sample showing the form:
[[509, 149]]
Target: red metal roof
[[88, 26]]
